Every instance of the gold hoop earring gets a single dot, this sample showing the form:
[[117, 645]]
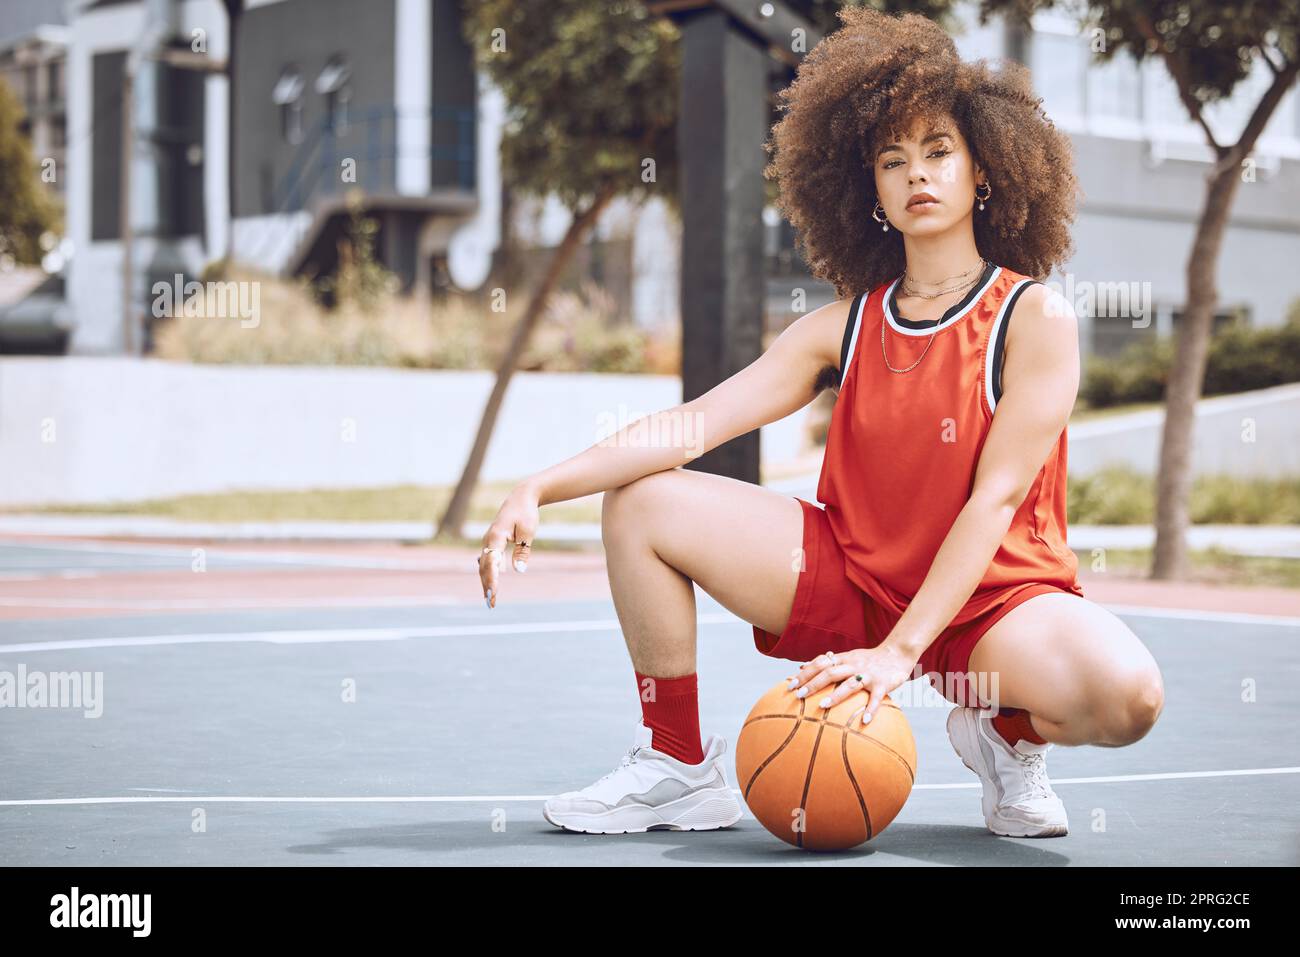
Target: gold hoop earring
[[881, 210], [985, 196]]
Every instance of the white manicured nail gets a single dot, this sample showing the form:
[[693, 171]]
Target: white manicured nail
[[801, 692], [825, 702], [520, 566]]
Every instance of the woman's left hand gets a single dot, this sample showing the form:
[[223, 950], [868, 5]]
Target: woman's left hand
[[878, 670]]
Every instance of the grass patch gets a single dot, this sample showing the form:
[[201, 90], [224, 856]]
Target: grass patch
[[1122, 497], [1086, 413], [398, 503], [1113, 497], [1207, 566]]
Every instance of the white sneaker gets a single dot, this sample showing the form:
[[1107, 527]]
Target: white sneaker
[[650, 789], [1018, 799]]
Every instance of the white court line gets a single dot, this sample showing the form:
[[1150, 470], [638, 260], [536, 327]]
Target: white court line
[[62, 573], [324, 635], [318, 636], [415, 601], [504, 798], [201, 604], [220, 551], [1183, 614]]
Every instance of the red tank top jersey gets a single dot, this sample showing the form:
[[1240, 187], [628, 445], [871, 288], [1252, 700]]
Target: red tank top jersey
[[902, 448]]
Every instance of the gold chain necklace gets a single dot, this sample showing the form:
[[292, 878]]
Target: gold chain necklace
[[938, 326], [909, 290]]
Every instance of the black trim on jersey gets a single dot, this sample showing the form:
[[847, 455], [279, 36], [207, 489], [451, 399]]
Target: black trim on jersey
[[1000, 343], [949, 313], [844, 343]]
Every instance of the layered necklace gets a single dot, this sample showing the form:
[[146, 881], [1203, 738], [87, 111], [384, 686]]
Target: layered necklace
[[963, 281]]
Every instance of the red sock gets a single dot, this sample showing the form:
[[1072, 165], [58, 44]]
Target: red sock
[[1013, 724], [670, 708]]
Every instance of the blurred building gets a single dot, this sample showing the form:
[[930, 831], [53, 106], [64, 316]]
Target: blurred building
[[256, 125], [1141, 163], [255, 120], [33, 64], [335, 97]]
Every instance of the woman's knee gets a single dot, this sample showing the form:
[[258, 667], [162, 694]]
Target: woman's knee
[[635, 499], [1131, 706]]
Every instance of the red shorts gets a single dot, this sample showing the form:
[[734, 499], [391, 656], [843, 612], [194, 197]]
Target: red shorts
[[831, 613]]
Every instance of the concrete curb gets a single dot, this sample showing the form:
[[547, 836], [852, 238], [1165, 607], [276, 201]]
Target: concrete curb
[[1280, 541]]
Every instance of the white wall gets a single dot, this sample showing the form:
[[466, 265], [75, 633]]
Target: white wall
[[112, 429], [1251, 435]]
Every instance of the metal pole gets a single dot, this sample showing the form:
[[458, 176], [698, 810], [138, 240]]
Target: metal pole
[[721, 125], [124, 212]]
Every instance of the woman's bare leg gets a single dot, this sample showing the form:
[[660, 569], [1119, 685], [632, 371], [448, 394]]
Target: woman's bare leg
[[739, 542], [1079, 671]]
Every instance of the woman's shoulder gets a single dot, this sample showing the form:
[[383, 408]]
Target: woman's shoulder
[[1011, 276]]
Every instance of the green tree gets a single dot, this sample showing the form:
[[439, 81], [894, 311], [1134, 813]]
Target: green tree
[[591, 88], [1208, 49], [26, 208], [592, 92]]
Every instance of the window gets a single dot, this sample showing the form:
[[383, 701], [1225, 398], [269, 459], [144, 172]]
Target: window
[[1112, 336], [54, 82], [1115, 88], [105, 153], [179, 148], [288, 96], [1165, 111], [1057, 63], [333, 83]]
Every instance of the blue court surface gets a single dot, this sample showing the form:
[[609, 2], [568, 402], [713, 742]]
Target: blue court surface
[[432, 734]]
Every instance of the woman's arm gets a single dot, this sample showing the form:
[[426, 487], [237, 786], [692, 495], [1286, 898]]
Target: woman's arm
[[1041, 381], [779, 382], [784, 378]]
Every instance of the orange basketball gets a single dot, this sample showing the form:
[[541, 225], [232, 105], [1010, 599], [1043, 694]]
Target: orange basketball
[[815, 781]]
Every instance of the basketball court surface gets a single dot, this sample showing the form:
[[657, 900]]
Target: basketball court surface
[[358, 704]]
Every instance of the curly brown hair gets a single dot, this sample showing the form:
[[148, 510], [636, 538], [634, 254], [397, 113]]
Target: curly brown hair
[[879, 74]]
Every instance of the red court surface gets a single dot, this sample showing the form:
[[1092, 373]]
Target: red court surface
[[49, 577]]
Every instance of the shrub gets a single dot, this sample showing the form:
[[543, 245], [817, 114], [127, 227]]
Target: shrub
[[1241, 358], [380, 328]]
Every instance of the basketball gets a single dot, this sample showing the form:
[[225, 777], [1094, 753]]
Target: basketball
[[815, 781]]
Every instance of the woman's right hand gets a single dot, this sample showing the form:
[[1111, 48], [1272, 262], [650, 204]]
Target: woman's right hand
[[516, 521]]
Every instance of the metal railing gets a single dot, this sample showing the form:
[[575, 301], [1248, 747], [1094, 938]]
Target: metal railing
[[370, 139]]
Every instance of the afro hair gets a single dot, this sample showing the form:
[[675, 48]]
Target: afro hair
[[877, 75]]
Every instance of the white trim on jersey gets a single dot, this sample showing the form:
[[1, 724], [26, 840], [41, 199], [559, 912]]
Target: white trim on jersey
[[853, 339], [991, 347], [929, 330]]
